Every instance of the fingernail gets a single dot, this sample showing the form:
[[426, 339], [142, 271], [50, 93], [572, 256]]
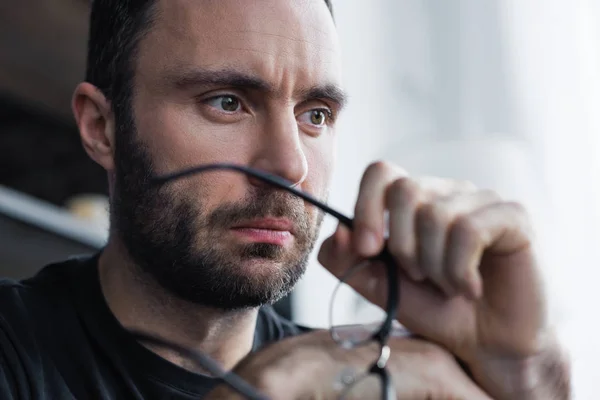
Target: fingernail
[[368, 243]]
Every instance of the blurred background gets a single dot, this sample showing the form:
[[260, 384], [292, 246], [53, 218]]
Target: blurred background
[[505, 93]]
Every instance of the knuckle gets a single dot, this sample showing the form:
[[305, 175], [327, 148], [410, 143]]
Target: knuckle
[[490, 194], [379, 167], [523, 216], [268, 381], [384, 168], [403, 197], [404, 190], [272, 381], [432, 215], [518, 208], [363, 223], [464, 227], [466, 185], [441, 210]]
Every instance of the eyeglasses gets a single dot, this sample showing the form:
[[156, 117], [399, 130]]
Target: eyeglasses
[[344, 337]]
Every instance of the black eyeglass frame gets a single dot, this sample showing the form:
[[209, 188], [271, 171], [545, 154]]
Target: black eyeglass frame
[[381, 335]]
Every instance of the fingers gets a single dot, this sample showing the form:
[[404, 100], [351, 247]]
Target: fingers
[[366, 277], [450, 235], [433, 223], [438, 229], [369, 220], [498, 228], [314, 366], [404, 198], [404, 195], [336, 252], [434, 372]]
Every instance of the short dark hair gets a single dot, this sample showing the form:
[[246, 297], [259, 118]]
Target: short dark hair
[[116, 27]]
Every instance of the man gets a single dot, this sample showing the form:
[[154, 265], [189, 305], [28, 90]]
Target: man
[[177, 83]]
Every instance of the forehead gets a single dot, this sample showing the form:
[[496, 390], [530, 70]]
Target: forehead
[[281, 41]]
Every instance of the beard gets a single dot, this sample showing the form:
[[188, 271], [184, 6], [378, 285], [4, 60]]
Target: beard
[[182, 247]]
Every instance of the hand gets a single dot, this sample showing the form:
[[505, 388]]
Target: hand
[[308, 366], [469, 276]]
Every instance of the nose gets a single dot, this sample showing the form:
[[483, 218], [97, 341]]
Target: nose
[[280, 152]]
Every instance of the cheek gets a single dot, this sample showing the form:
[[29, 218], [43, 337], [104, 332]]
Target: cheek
[[178, 137], [320, 156]]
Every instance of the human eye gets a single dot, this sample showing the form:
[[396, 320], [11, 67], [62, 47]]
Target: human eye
[[226, 103], [316, 118]]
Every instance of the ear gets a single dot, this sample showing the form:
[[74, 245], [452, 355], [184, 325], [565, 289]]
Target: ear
[[96, 124]]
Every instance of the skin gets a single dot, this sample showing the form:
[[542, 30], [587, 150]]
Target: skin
[[306, 366], [182, 123], [469, 265], [483, 295]]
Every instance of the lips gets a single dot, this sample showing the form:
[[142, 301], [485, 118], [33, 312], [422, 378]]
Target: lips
[[266, 230], [272, 224]]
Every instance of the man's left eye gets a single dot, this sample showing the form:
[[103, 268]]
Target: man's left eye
[[227, 103], [316, 117]]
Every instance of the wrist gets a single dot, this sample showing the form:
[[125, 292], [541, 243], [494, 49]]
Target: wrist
[[298, 367], [545, 375]]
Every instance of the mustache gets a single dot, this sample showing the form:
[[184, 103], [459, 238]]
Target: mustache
[[262, 203]]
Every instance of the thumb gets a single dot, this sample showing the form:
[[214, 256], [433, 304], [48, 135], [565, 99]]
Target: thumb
[[366, 277], [336, 253]]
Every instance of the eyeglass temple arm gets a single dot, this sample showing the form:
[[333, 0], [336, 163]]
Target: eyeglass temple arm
[[264, 176], [391, 307], [206, 363], [385, 256], [388, 390]]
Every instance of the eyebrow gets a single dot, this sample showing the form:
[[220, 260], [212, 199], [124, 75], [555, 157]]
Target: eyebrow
[[329, 92], [236, 79], [224, 77]]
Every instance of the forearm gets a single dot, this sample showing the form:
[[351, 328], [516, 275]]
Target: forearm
[[545, 376]]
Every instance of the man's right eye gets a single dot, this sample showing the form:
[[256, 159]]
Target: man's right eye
[[226, 103]]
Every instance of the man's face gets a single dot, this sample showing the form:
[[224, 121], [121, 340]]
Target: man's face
[[245, 82]]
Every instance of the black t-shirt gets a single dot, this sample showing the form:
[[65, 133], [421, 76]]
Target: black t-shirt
[[59, 340]]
